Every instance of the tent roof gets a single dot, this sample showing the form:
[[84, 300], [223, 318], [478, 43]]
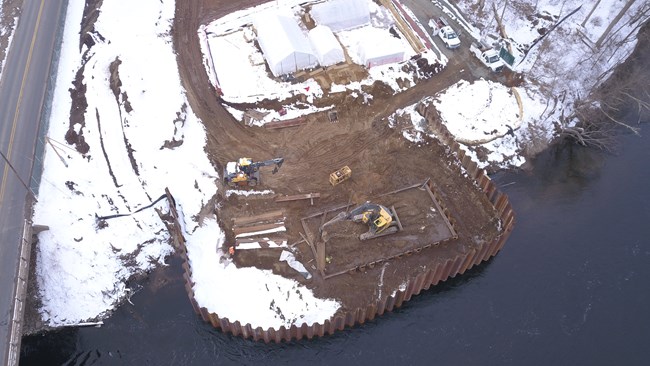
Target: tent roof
[[324, 42], [341, 14], [279, 36], [379, 48]]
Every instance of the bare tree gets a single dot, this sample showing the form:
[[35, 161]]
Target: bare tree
[[611, 25], [627, 89], [590, 13]]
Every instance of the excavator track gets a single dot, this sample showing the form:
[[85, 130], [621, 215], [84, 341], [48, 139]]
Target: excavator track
[[367, 236]]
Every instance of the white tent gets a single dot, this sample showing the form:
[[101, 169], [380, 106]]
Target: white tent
[[285, 47], [341, 15], [389, 51], [326, 46]]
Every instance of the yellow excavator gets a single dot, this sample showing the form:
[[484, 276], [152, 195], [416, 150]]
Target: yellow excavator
[[381, 221], [245, 172]]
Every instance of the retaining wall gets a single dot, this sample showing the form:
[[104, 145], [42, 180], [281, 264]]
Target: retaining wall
[[440, 272]]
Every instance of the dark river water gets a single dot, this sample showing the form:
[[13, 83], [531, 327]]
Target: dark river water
[[569, 288]]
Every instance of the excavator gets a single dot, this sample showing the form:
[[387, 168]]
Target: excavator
[[380, 220], [245, 172]]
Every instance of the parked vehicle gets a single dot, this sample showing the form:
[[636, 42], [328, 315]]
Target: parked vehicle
[[442, 29], [487, 55]]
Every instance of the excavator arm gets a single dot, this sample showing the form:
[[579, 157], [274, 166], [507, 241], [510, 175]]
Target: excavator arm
[[377, 217], [277, 161], [244, 172]]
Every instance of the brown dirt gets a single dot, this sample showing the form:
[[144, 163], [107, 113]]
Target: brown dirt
[[380, 159]]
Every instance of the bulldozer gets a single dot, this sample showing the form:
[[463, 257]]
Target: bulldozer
[[381, 221], [245, 172]]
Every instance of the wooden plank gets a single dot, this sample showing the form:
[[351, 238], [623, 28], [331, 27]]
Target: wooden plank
[[267, 237], [252, 229], [297, 197], [418, 185], [267, 216], [313, 250], [307, 231], [286, 123], [320, 259], [260, 244], [399, 223], [442, 213]]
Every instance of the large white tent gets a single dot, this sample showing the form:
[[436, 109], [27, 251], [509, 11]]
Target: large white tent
[[389, 51], [340, 15], [326, 46], [285, 46]]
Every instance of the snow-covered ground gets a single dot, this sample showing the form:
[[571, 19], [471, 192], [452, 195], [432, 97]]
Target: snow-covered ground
[[474, 113], [6, 31], [549, 69], [83, 262], [236, 66]]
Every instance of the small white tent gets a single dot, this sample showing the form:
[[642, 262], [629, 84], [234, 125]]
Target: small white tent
[[340, 15], [285, 47], [326, 46], [389, 51]]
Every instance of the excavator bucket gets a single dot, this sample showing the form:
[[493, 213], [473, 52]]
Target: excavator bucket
[[321, 230], [278, 165]]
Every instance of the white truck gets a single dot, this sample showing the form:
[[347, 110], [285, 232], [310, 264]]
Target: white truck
[[442, 29], [487, 55]]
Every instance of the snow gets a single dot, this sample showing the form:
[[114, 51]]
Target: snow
[[242, 74], [83, 265], [85, 261], [236, 192], [6, 30], [480, 112], [255, 296], [262, 232], [237, 69]]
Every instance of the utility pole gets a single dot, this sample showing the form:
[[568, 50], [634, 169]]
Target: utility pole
[[17, 175]]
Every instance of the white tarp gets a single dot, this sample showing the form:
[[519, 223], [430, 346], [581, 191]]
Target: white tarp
[[389, 51], [285, 46], [293, 263], [341, 15], [326, 46]]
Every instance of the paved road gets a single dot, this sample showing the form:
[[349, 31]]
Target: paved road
[[22, 91], [460, 58]]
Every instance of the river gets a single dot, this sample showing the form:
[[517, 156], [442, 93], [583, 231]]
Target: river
[[569, 288]]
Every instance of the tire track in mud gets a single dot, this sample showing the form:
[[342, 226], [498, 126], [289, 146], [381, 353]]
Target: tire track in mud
[[221, 128]]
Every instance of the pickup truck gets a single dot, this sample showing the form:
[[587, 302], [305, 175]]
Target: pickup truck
[[442, 29], [488, 56]]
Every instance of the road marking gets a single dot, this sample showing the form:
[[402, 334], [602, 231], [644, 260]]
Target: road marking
[[20, 97]]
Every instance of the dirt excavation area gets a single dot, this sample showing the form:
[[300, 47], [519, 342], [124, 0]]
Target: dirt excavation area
[[442, 212]]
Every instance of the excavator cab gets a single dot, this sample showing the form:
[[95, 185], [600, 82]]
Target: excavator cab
[[380, 220], [245, 172]]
